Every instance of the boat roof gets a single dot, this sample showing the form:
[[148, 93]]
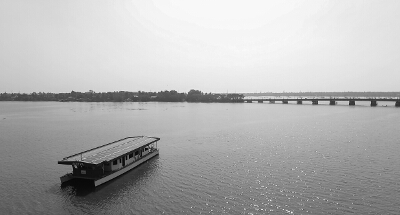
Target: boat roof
[[110, 151]]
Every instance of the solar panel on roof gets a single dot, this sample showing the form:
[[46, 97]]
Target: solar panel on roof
[[110, 151]]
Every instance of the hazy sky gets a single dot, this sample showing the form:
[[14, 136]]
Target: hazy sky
[[209, 45]]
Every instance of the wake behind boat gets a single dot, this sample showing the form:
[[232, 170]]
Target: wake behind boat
[[111, 160]]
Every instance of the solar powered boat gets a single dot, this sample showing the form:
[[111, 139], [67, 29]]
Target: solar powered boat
[[111, 160]]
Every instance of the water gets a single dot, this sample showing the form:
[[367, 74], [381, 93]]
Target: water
[[214, 158]]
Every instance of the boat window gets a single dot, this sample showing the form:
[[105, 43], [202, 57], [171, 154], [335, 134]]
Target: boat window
[[126, 157], [137, 152], [115, 162], [130, 155]]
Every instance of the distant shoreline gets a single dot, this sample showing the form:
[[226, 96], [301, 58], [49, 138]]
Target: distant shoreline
[[174, 96], [125, 96]]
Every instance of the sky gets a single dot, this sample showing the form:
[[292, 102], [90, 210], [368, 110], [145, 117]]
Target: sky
[[208, 45]]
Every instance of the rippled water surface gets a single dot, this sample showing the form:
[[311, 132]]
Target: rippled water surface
[[214, 158]]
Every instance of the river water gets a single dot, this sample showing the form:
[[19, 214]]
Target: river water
[[214, 158]]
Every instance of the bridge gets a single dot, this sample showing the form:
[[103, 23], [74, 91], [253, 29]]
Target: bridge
[[316, 100]]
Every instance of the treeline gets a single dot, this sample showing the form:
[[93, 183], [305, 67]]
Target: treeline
[[198, 96], [123, 96]]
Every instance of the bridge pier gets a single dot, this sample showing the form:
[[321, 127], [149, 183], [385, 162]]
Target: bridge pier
[[260, 101], [332, 102], [352, 102], [299, 102], [314, 102], [374, 103], [397, 104], [285, 101], [270, 101]]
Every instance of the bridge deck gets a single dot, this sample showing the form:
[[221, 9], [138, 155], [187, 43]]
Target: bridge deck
[[322, 99], [332, 100]]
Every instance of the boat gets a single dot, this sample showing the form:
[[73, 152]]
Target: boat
[[106, 162]]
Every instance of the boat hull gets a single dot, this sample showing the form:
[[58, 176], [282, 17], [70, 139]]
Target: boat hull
[[66, 177]]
